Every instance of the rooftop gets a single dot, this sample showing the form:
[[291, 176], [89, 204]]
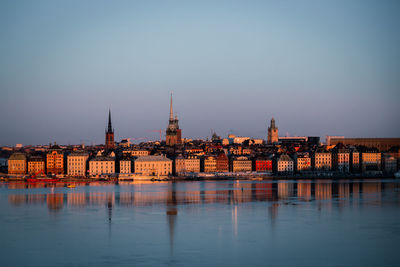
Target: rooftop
[[153, 158]]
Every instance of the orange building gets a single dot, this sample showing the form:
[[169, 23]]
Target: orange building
[[55, 160], [17, 164], [36, 164]]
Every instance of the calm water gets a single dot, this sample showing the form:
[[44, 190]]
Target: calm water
[[228, 223]]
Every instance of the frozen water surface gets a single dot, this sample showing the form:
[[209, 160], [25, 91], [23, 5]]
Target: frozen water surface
[[224, 223]]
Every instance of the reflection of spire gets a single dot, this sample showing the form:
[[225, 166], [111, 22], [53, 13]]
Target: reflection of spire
[[172, 212], [171, 112]]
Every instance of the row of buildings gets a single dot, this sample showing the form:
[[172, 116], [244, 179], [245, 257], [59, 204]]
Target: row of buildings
[[82, 164]]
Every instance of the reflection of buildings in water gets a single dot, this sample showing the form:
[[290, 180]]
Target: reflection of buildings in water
[[76, 199], [273, 212], [323, 190], [304, 190], [263, 191], [16, 200], [101, 198], [36, 198], [343, 193], [241, 192], [285, 190], [192, 192], [126, 198], [235, 220], [371, 190], [172, 212], [55, 202]]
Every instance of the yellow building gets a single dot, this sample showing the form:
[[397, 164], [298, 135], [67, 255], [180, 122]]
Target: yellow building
[[36, 164], [210, 164], [76, 163], [322, 161], [17, 164], [153, 165], [371, 161], [241, 164], [125, 166]]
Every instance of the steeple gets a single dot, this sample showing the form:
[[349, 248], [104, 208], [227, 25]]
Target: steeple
[[109, 130], [171, 113], [272, 123]]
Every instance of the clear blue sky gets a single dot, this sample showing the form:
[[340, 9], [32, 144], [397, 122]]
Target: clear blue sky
[[319, 67]]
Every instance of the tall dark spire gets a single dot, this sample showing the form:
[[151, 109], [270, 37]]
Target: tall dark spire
[[109, 130], [171, 112]]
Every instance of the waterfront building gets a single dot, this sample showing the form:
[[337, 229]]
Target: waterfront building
[[192, 164], [341, 158], [371, 161], [285, 164], [153, 165], [263, 164], [210, 164], [322, 161], [102, 165], [355, 161], [272, 133], [222, 164], [389, 163], [125, 165], [17, 164], [55, 160], [76, 163], [173, 133], [236, 150], [189, 164], [302, 162], [241, 164], [36, 164], [382, 144], [110, 144], [179, 165]]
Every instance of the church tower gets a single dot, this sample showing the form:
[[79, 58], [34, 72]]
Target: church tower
[[272, 133], [173, 133], [110, 144]]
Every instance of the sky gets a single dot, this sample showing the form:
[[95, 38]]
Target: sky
[[318, 67]]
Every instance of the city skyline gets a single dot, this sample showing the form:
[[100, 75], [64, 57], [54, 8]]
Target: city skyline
[[318, 68]]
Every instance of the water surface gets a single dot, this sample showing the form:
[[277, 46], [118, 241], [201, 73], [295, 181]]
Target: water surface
[[224, 223]]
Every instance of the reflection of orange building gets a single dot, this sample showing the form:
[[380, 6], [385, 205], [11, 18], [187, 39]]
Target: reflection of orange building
[[304, 190], [76, 199], [55, 201], [323, 190]]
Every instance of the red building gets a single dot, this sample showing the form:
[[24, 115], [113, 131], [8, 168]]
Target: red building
[[263, 165], [222, 163]]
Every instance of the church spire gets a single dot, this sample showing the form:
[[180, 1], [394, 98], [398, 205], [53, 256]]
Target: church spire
[[109, 122], [171, 113]]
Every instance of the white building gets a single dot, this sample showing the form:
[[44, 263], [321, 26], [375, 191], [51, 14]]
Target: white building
[[285, 164], [102, 165], [76, 163]]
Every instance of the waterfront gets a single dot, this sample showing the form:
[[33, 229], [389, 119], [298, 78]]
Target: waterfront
[[255, 223]]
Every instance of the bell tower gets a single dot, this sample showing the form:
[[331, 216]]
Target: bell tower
[[272, 133], [110, 144]]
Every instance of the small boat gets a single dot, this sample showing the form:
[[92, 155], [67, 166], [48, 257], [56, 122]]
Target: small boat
[[71, 186]]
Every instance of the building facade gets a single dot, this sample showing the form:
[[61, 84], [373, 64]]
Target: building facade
[[371, 161], [77, 163], [302, 162], [210, 164], [17, 164], [285, 164], [263, 164], [241, 164], [36, 165], [153, 165], [322, 161], [125, 166], [55, 161], [102, 165], [222, 164]]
